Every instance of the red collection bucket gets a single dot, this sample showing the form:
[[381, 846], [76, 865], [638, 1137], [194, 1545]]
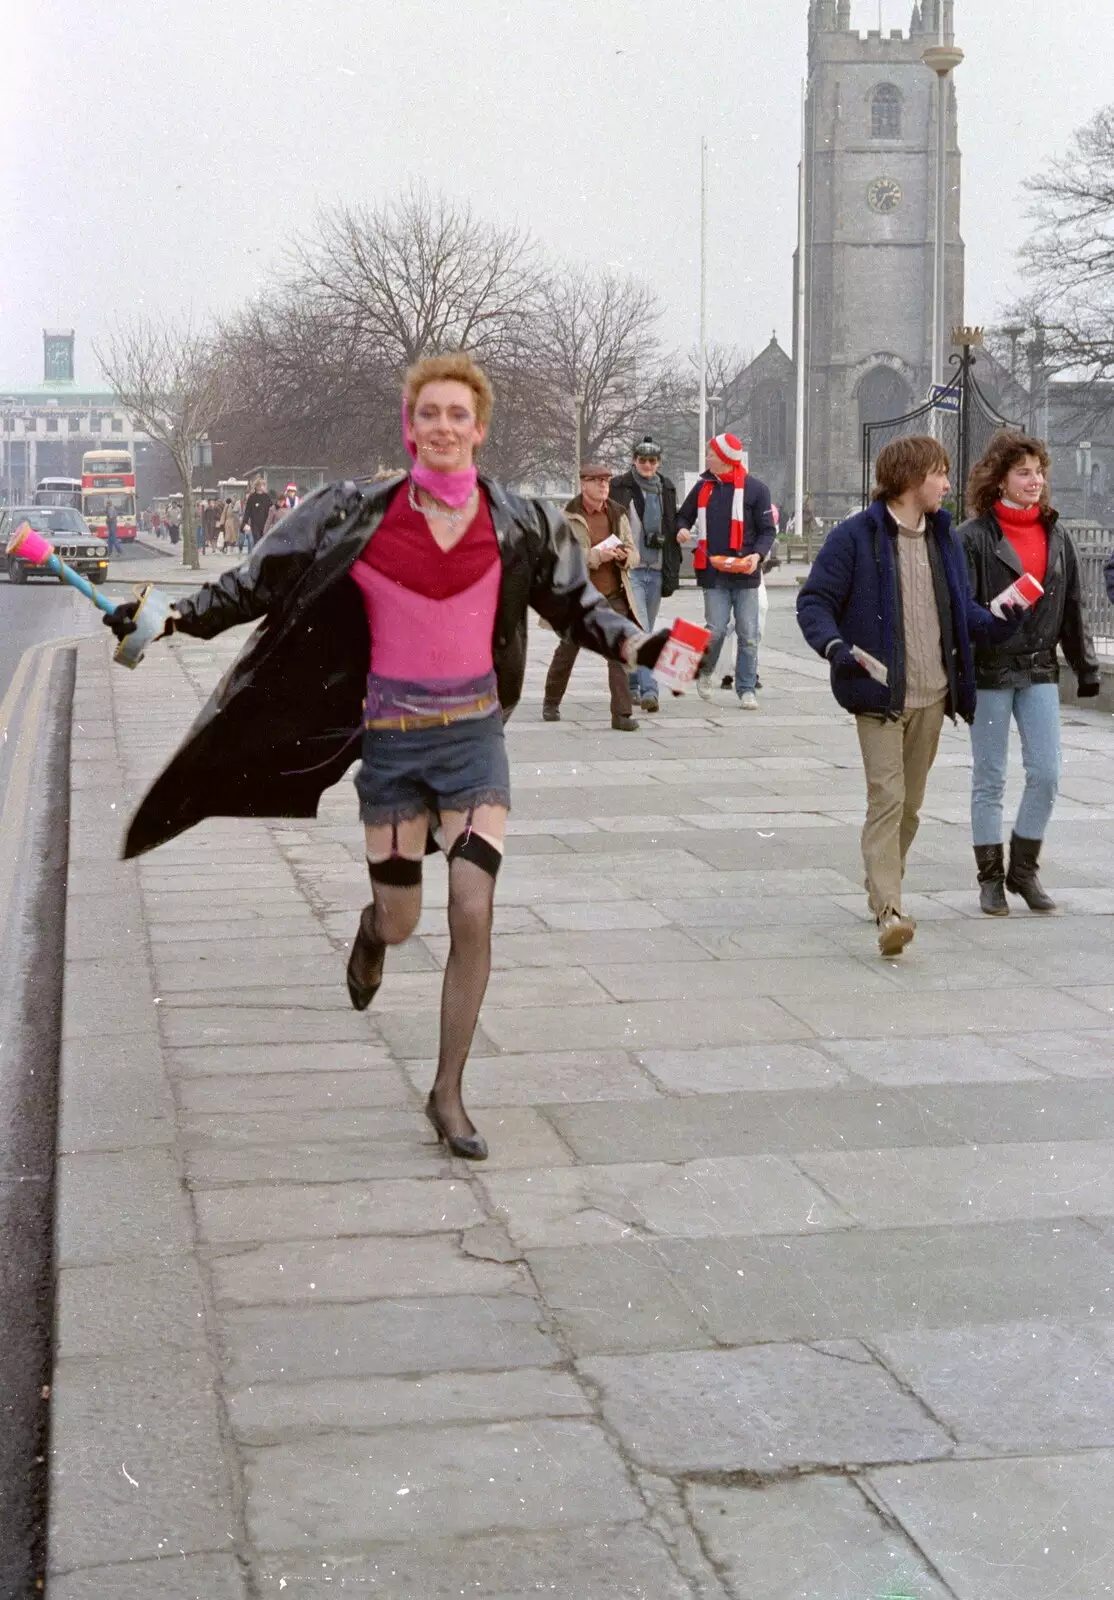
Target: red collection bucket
[[681, 657]]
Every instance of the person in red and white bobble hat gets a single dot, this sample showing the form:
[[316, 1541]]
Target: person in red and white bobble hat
[[729, 516]]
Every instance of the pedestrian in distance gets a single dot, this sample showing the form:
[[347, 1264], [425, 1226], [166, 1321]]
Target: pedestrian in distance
[[230, 525], [729, 516], [395, 615], [887, 604], [257, 508], [649, 499], [174, 524], [1015, 530], [111, 521], [603, 531]]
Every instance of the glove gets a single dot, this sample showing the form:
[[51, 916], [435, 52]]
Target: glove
[[1013, 616], [1088, 687], [844, 665], [122, 620], [651, 648]]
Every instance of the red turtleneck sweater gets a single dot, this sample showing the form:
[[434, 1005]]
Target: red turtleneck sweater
[[1025, 530]]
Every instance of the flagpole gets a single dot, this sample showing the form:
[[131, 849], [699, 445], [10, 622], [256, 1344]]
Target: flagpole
[[701, 442], [802, 358]]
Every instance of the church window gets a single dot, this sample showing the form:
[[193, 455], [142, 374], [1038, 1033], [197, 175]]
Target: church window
[[772, 431], [883, 396], [885, 112]]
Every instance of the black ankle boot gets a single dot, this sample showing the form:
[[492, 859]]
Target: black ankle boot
[[365, 964], [1022, 877], [991, 863]]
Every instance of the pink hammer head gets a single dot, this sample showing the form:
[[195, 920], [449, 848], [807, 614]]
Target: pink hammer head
[[30, 546]]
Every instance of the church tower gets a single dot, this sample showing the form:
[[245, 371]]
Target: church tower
[[870, 171]]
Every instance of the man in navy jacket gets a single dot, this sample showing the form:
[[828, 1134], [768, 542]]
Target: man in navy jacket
[[891, 584], [734, 522]]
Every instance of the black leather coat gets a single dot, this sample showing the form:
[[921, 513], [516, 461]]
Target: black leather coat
[[283, 724], [627, 489], [1029, 656]]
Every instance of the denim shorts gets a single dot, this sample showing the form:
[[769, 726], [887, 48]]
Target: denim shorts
[[406, 773]]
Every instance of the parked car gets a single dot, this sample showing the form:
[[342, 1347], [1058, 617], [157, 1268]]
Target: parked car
[[67, 531]]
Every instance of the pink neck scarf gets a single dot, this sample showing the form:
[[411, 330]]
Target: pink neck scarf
[[451, 488]]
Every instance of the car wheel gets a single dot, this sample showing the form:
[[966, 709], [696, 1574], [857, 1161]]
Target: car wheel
[[17, 572], [96, 577]]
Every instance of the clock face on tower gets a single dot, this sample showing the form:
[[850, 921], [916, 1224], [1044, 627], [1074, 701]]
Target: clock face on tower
[[884, 195]]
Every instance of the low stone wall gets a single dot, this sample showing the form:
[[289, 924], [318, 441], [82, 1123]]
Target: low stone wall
[[1104, 701]]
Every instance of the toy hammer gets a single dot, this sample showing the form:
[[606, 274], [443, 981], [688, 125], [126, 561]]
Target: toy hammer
[[150, 616]]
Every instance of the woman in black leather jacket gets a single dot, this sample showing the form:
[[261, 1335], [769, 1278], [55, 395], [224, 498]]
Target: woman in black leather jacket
[[394, 616], [1015, 530]]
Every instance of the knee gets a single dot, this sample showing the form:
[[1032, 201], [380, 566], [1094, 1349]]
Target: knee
[[884, 808], [1044, 775], [988, 778], [471, 914], [396, 919]]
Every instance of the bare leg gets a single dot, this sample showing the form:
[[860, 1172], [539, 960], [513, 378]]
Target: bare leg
[[471, 904]]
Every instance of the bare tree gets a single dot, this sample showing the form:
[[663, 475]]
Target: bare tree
[[420, 275], [1070, 257], [308, 386], [598, 340], [317, 362], [168, 376], [724, 364]]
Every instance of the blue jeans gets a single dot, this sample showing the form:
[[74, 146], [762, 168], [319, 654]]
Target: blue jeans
[[1036, 710], [646, 583], [720, 605]]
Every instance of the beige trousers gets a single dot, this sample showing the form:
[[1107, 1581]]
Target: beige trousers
[[897, 758]]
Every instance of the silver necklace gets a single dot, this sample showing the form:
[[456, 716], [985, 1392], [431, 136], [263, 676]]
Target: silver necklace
[[451, 517]]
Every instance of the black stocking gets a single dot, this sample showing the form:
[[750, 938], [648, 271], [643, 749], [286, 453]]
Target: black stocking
[[471, 899]]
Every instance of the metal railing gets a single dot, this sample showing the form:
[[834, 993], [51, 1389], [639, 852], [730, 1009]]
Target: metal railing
[[1094, 545]]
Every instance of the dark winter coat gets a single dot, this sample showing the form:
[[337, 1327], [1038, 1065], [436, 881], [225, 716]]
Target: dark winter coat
[[1029, 656], [759, 529], [283, 724], [626, 490], [853, 594], [256, 510]]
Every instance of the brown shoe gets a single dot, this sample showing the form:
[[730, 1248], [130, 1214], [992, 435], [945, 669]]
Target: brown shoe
[[894, 933]]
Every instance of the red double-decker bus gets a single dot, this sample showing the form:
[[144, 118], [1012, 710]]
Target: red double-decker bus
[[108, 478]]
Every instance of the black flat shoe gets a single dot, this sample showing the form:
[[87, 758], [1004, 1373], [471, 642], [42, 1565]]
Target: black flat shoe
[[473, 1147], [365, 964]]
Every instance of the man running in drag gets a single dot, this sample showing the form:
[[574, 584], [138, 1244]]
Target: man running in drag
[[396, 614]]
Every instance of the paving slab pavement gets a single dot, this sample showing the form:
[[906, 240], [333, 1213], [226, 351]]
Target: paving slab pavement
[[791, 1274]]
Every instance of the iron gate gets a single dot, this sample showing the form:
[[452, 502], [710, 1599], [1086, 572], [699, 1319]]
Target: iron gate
[[960, 416]]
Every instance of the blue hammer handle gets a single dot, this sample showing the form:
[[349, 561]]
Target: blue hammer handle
[[56, 565]]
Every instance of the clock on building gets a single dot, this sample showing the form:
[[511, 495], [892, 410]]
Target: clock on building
[[884, 195]]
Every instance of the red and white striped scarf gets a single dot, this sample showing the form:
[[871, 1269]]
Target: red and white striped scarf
[[730, 451]]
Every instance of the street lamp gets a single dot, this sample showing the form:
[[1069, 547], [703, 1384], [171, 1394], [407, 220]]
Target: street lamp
[[1013, 334], [1036, 350], [942, 59], [1083, 470]]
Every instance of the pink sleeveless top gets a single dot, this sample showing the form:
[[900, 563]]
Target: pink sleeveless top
[[431, 614]]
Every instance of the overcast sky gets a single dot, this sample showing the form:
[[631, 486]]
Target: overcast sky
[[157, 153]]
